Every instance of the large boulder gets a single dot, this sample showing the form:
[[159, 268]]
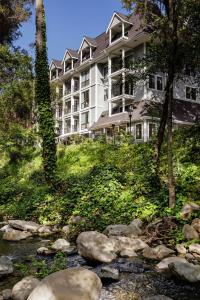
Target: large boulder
[[16, 235], [128, 244], [190, 233], [159, 252], [132, 230], [70, 284], [188, 209], [186, 271], [96, 246], [60, 245], [164, 264], [24, 225], [196, 225], [194, 248], [6, 266], [23, 288]]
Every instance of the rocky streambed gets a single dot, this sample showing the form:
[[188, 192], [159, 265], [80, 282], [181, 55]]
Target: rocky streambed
[[126, 276]]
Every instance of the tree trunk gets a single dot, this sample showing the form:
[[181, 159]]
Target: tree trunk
[[39, 16]]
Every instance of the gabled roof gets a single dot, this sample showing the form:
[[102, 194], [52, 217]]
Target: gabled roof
[[120, 16], [57, 63], [72, 53], [90, 41]]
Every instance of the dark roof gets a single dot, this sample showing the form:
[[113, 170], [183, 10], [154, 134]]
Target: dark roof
[[123, 17], [183, 111], [73, 53], [57, 63], [91, 41]]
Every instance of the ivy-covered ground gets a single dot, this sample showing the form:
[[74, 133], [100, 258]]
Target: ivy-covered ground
[[104, 183]]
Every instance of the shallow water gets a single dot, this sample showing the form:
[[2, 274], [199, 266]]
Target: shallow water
[[136, 277]]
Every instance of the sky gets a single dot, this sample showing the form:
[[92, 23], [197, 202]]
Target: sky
[[68, 21]]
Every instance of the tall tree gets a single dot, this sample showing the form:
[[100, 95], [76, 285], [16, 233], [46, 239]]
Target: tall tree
[[174, 43], [43, 98]]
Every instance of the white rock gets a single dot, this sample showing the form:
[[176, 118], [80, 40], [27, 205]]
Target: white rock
[[6, 228], [6, 266], [126, 243], [194, 248], [181, 249], [164, 264], [16, 235], [23, 288], [159, 252], [128, 253], [70, 284], [24, 225], [96, 246], [44, 230], [60, 245], [45, 251]]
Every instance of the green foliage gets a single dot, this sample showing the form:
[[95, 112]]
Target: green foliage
[[43, 100]]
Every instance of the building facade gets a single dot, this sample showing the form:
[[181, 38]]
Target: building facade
[[95, 93]]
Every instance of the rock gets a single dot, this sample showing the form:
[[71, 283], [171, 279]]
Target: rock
[[158, 297], [7, 294], [6, 228], [194, 248], [131, 230], [186, 271], [70, 284], [45, 230], [66, 230], [190, 233], [164, 264], [24, 225], [1, 297], [128, 253], [60, 245], [159, 252], [45, 251], [76, 219], [137, 222], [180, 248], [188, 209], [109, 273], [6, 266], [23, 288], [196, 225], [96, 246], [190, 257], [125, 243], [16, 235]]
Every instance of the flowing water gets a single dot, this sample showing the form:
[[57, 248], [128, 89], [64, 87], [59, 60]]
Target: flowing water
[[137, 279]]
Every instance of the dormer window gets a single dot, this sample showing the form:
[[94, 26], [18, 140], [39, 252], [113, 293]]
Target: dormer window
[[69, 60], [87, 48], [55, 69], [68, 65], [119, 27]]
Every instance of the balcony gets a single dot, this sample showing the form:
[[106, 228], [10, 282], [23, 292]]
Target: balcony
[[116, 64], [75, 107]]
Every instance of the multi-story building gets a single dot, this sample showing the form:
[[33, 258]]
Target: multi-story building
[[95, 95]]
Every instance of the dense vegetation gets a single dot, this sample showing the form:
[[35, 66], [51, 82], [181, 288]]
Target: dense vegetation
[[104, 183]]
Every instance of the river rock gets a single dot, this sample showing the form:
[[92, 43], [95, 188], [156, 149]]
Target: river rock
[[24, 225], [16, 235], [196, 224], [6, 266], [164, 264], [131, 230], [109, 273], [96, 246], [186, 271], [190, 233], [6, 228], [66, 230], [159, 252], [188, 209], [70, 284], [45, 251], [60, 245], [128, 253], [180, 248], [7, 294], [194, 248], [126, 243], [23, 288], [137, 222], [45, 230]]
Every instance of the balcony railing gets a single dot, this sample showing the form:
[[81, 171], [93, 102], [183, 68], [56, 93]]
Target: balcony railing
[[116, 91]]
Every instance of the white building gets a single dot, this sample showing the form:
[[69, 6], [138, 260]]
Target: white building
[[95, 95]]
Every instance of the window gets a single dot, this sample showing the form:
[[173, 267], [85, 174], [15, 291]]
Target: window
[[191, 93], [85, 99], [60, 109], [105, 94], [68, 87], [85, 78], [68, 65], [76, 104], [138, 131], [76, 85], [76, 124], [105, 72], [152, 130], [156, 82], [67, 107], [67, 125], [85, 120]]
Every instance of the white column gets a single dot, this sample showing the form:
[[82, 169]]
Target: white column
[[96, 93], [145, 131], [123, 29], [110, 36]]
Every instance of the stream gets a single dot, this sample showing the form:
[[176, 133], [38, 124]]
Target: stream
[[138, 280]]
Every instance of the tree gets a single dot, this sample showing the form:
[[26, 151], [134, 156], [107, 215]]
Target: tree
[[12, 14], [173, 26], [43, 98]]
